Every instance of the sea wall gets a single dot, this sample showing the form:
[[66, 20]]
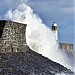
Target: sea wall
[[12, 36]]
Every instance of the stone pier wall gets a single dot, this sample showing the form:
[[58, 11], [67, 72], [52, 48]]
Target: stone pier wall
[[12, 36]]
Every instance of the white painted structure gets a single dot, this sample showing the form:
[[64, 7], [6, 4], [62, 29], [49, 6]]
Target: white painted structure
[[55, 30], [65, 46]]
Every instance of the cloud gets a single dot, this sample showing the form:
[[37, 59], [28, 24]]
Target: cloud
[[5, 5], [53, 7]]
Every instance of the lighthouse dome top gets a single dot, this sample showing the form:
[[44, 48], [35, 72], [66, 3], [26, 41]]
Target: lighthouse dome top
[[54, 24]]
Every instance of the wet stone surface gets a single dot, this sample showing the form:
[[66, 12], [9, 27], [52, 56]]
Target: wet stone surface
[[29, 63]]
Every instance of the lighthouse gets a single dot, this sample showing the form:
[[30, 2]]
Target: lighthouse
[[62, 45], [55, 30]]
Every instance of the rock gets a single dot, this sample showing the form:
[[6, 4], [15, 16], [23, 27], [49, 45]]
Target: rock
[[29, 63]]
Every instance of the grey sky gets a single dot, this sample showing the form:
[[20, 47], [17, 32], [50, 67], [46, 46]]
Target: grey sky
[[60, 11]]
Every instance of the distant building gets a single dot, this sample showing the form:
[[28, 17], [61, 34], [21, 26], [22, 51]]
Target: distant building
[[65, 46]]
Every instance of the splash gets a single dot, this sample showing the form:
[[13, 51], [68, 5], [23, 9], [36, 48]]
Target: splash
[[38, 36]]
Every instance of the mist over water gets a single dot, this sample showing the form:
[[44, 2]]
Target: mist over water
[[38, 36]]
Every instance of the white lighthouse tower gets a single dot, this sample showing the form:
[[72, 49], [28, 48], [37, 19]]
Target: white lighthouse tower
[[62, 45], [55, 30]]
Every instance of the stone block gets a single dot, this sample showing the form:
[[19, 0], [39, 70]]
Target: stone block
[[12, 36]]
